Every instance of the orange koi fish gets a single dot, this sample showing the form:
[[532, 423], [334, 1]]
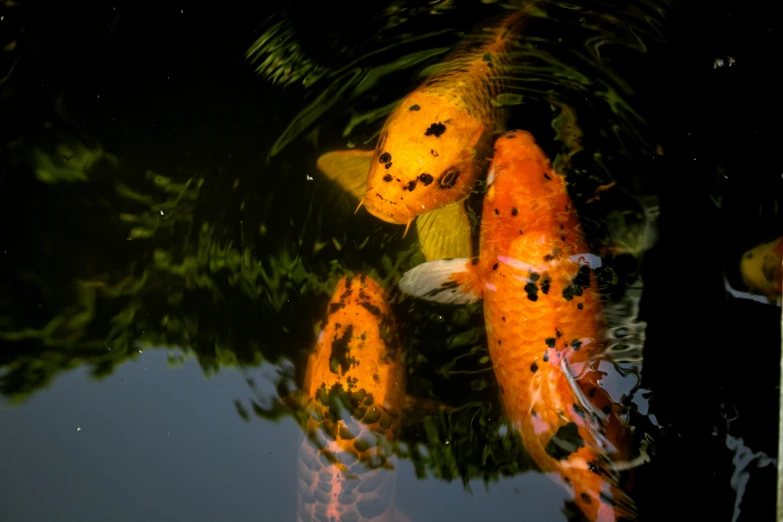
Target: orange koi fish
[[544, 324], [762, 268], [354, 391], [434, 146]]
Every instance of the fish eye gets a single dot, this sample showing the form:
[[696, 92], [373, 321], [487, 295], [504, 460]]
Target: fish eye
[[449, 178]]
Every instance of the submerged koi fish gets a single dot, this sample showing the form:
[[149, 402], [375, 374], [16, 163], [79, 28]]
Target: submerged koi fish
[[762, 268], [354, 391], [544, 323], [434, 146]]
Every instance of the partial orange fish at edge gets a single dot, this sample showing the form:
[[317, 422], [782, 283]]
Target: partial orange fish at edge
[[544, 324], [761, 268]]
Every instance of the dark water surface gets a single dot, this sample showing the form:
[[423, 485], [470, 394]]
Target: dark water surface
[[168, 247]]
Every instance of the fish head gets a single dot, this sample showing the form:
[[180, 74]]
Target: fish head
[[429, 154]]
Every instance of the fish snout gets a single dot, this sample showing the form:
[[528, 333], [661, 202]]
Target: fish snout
[[386, 211]]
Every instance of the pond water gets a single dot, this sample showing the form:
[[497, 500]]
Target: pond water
[[169, 249]]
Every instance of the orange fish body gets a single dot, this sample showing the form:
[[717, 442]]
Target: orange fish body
[[354, 392], [435, 144], [761, 268], [544, 323]]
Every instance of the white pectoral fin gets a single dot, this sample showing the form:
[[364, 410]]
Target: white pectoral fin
[[448, 281]]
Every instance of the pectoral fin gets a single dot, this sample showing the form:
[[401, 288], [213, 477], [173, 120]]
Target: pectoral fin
[[348, 168], [448, 281], [445, 232]]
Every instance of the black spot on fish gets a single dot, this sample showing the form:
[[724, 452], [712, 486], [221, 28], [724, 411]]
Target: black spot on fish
[[548, 257], [545, 286], [495, 266], [558, 333], [448, 285], [550, 341], [607, 409], [385, 158], [387, 178], [592, 392], [448, 179], [514, 211], [534, 277], [576, 344], [436, 129], [387, 166], [503, 318], [546, 356], [497, 212], [579, 283], [586, 498], [565, 442], [339, 352], [434, 153], [562, 238], [425, 178], [534, 367], [374, 310], [547, 176], [414, 107], [580, 306], [579, 411], [520, 232], [333, 307], [411, 186], [500, 342], [532, 291]]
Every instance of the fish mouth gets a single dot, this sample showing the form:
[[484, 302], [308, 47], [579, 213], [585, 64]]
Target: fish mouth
[[386, 217]]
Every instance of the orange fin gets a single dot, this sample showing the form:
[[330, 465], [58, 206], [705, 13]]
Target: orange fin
[[348, 168], [445, 232], [448, 281]]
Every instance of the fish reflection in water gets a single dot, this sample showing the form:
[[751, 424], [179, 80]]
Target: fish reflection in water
[[354, 391], [545, 325]]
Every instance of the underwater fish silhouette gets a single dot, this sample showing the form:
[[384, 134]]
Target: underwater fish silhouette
[[435, 145], [762, 270], [544, 324], [353, 393]]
